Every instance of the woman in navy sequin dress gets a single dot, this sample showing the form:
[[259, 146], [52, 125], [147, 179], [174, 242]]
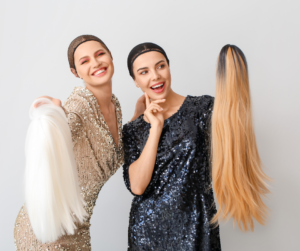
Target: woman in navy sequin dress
[[167, 162]]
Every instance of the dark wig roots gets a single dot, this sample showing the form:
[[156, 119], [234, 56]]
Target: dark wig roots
[[221, 71]]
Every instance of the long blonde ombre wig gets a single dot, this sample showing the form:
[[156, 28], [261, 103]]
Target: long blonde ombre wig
[[238, 179]]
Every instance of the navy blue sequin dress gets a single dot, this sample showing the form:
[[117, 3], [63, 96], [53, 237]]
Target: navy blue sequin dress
[[174, 211]]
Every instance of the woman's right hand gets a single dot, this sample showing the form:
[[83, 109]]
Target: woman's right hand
[[153, 112], [55, 101], [141, 170]]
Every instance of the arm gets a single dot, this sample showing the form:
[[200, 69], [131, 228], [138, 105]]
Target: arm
[[140, 171]]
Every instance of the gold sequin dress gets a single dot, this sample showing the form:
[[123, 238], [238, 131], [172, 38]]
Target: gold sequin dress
[[97, 158]]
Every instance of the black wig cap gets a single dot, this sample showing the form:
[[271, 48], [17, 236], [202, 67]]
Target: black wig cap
[[78, 41], [141, 49]]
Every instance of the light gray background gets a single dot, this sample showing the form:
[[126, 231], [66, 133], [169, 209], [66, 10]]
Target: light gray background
[[34, 39]]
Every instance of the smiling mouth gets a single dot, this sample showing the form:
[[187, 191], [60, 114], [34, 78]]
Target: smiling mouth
[[158, 87], [99, 72]]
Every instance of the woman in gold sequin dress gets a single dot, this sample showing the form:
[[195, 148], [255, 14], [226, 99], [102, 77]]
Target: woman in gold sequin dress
[[95, 120]]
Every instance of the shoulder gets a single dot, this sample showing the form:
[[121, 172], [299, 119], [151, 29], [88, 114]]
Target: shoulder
[[76, 102], [138, 125], [202, 101], [203, 108], [198, 104], [132, 125], [116, 100]]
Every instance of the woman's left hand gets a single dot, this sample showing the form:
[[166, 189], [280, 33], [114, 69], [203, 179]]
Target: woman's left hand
[[140, 107], [55, 101]]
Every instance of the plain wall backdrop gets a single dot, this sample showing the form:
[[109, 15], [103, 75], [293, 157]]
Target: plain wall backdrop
[[34, 37]]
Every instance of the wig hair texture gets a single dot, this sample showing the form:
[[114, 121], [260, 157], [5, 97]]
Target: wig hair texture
[[52, 194], [141, 49], [238, 179], [78, 41]]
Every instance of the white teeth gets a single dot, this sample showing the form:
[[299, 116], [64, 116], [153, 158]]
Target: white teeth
[[154, 87], [98, 72]]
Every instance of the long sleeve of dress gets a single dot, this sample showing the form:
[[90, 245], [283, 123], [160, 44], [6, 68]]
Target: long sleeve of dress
[[131, 152], [133, 147], [75, 124]]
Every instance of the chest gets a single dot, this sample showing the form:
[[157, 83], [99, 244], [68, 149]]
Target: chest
[[177, 132], [112, 125]]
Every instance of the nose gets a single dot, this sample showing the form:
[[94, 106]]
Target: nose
[[96, 63], [155, 76]]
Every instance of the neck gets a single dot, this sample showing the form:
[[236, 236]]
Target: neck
[[171, 100], [103, 94]]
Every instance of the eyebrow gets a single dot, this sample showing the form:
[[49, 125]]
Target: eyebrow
[[155, 65], [94, 54]]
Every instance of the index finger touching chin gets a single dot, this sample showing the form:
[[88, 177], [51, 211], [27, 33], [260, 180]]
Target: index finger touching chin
[[147, 99]]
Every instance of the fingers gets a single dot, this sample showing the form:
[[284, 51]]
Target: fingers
[[56, 102], [158, 101], [151, 111], [154, 108], [37, 104], [147, 100], [46, 97]]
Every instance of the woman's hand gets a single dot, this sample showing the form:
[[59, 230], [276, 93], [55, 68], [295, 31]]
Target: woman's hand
[[140, 107], [153, 112], [57, 102], [141, 170]]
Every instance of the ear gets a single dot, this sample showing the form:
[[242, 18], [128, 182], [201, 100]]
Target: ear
[[74, 72]]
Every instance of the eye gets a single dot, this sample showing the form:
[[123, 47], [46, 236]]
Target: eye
[[83, 62], [101, 53], [161, 66], [143, 72]]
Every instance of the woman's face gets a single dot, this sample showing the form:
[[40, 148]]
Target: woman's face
[[152, 74], [93, 63]]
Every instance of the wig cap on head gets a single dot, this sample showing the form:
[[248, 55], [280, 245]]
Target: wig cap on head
[[141, 49], [78, 41]]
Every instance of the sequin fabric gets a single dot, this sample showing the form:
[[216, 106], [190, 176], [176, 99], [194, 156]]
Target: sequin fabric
[[174, 211], [97, 158]]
